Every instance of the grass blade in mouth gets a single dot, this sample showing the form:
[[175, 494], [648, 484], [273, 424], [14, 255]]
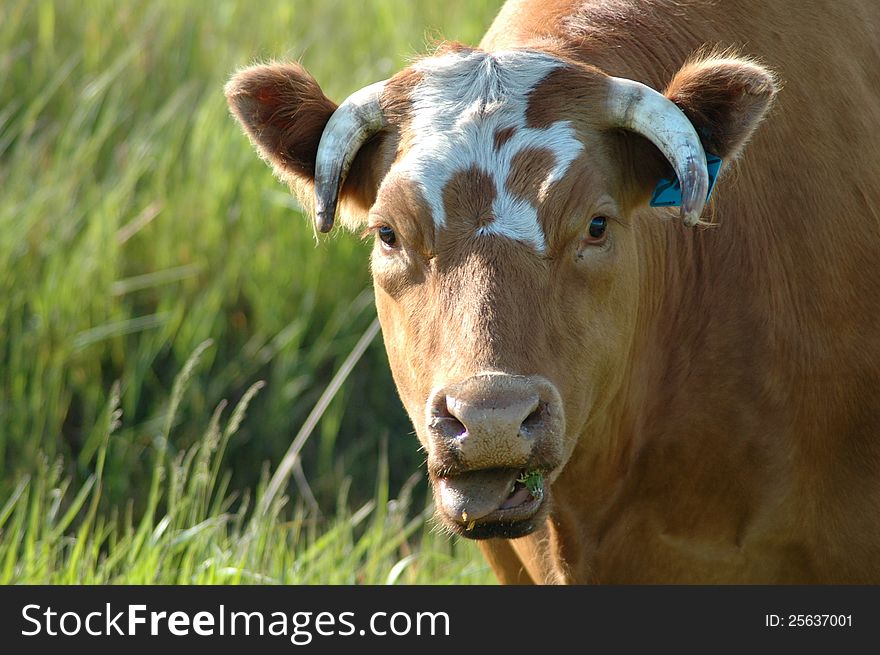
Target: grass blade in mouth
[[534, 482]]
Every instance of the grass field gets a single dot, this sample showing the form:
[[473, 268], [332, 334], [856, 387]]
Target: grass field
[[168, 322]]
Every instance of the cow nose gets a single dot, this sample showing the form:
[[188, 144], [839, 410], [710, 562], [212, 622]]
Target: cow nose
[[493, 420]]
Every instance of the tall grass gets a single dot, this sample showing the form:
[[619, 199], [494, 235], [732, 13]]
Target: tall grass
[[135, 224], [194, 532]]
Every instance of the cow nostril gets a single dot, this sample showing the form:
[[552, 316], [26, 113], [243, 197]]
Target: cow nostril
[[448, 427], [535, 420]]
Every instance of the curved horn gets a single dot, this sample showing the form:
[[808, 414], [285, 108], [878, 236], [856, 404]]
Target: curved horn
[[354, 121], [639, 108]]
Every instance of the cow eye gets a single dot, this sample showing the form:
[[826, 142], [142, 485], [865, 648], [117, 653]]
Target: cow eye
[[387, 236], [597, 228]]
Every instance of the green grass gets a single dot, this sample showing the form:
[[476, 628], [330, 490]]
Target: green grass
[[194, 532], [135, 224]]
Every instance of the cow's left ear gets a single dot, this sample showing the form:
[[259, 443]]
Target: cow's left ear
[[725, 98]]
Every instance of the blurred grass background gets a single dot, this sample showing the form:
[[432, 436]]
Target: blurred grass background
[[136, 222]]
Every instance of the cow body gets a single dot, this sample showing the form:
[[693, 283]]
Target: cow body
[[745, 446], [703, 403]]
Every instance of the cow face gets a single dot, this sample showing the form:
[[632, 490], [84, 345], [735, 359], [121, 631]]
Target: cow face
[[501, 280], [505, 203]]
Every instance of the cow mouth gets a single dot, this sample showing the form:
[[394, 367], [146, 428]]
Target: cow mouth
[[491, 503]]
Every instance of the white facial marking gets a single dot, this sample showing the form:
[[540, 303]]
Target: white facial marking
[[461, 102]]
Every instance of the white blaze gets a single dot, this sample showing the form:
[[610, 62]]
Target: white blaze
[[462, 100]]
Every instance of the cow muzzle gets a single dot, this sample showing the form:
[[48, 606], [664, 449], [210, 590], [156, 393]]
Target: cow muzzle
[[494, 440]]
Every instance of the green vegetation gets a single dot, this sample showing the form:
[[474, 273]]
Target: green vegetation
[[534, 482], [194, 532], [136, 224]]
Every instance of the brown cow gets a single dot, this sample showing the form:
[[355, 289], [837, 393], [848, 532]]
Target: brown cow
[[607, 394]]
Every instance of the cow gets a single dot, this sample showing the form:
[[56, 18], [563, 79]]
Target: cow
[[616, 376]]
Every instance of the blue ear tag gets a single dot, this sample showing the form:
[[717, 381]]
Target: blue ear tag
[[667, 193]]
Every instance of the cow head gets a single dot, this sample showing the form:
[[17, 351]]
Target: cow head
[[505, 192]]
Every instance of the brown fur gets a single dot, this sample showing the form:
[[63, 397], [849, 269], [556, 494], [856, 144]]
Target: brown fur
[[707, 467], [502, 136], [468, 198], [528, 170], [721, 387]]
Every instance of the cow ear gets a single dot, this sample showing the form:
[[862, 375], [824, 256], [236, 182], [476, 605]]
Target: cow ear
[[725, 98], [284, 111]]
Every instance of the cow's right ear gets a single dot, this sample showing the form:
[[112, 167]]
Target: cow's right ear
[[284, 111]]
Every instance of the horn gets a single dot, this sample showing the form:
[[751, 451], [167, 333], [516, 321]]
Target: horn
[[639, 108], [354, 121]]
